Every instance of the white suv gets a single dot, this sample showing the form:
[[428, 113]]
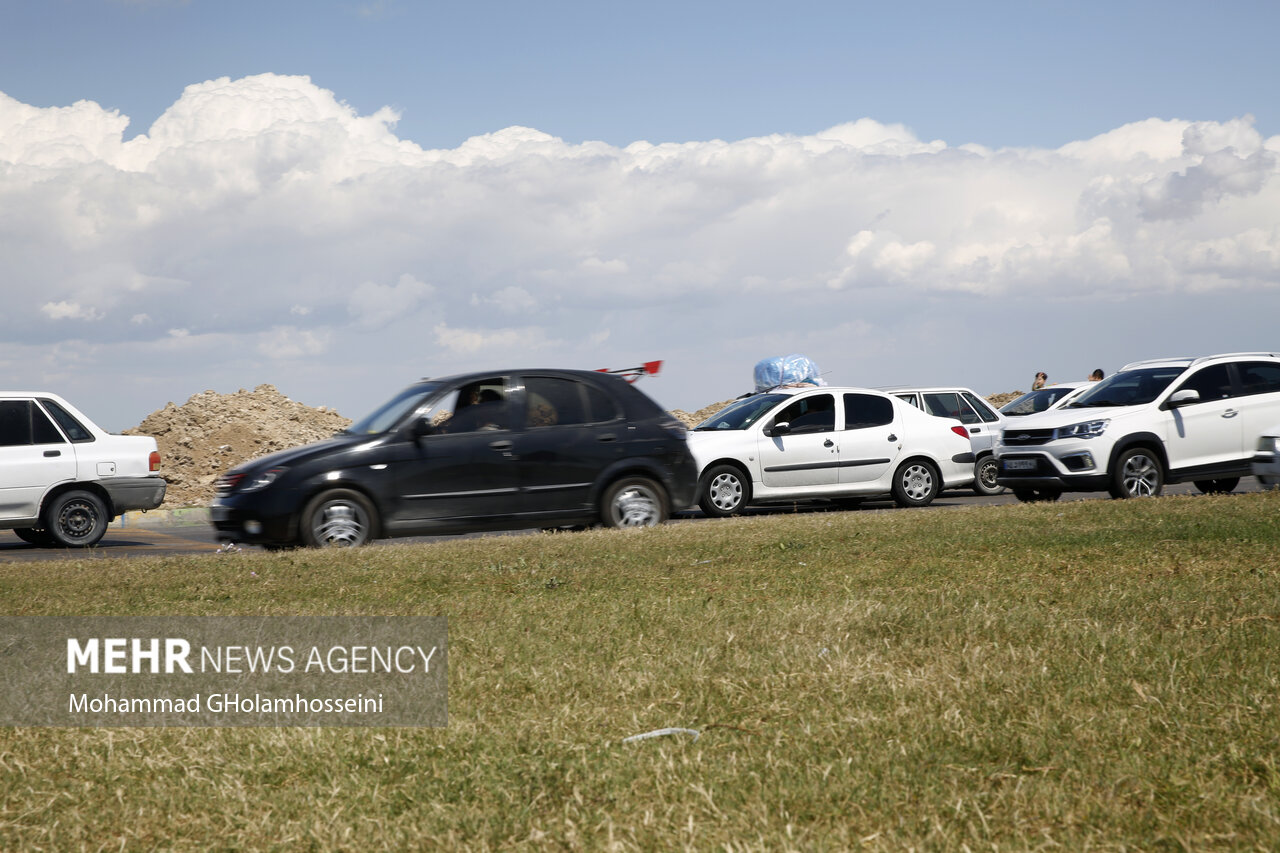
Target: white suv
[[62, 478], [980, 419], [1154, 422]]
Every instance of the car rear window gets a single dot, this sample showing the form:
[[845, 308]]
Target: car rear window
[[72, 427]]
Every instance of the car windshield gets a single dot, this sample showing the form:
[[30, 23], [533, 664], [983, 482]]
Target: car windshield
[[743, 413], [394, 410], [1127, 388], [1034, 401]]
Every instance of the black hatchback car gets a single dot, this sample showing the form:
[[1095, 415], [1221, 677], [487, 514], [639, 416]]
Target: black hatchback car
[[481, 451]]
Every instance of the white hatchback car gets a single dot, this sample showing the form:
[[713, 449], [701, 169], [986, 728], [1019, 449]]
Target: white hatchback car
[[1154, 422], [841, 444], [979, 417]]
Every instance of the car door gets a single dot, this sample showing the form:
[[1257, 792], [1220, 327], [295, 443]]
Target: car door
[[1209, 431], [461, 464], [34, 455], [803, 453], [572, 432], [1259, 400], [869, 441]]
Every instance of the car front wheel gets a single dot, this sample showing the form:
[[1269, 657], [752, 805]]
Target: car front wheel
[[984, 480], [75, 520], [337, 519], [916, 483], [1138, 474], [634, 502], [724, 491]]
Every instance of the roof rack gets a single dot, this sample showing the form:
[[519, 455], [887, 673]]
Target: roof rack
[[1194, 360]]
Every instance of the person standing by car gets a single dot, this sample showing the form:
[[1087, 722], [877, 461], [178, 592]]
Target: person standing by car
[[1097, 375], [1041, 379]]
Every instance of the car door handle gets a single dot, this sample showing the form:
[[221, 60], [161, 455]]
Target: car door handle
[[53, 453], [607, 436], [973, 430], [828, 443], [1230, 413], [500, 445]]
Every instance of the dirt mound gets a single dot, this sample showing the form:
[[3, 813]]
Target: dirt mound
[[213, 432], [999, 400]]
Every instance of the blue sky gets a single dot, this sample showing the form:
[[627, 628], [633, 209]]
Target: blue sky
[[934, 192]]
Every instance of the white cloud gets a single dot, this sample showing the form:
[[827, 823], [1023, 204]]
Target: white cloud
[[268, 219]]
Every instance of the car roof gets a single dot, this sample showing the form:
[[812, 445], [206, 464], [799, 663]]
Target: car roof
[[1191, 361], [901, 389]]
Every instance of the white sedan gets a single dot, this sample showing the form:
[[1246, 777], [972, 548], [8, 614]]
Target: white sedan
[[841, 444]]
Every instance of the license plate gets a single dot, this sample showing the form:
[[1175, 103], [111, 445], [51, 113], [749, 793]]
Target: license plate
[[1019, 464]]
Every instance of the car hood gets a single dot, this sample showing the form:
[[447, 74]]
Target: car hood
[[297, 455]]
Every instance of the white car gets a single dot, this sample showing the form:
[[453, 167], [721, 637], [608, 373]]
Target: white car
[[1154, 422], [979, 417], [1043, 400], [841, 444], [1266, 457], [62, 478]]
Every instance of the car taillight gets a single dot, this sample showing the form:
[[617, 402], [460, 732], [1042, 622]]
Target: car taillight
[[227, 483], [154, 460], [961, 431]]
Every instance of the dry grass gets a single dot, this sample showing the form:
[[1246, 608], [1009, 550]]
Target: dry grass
[[1088, 675]]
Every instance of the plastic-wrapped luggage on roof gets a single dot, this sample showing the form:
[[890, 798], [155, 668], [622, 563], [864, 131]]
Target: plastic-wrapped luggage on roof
[[791, 369]]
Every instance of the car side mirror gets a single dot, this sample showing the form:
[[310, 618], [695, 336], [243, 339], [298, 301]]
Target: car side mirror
[[1185, 397], [783, 428], [421, 427]]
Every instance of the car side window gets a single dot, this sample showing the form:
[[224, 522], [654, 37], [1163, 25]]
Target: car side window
[[910, 398], [867, 410], [552, 401], [981, 406], [949, 405], [475, 407], [601, 406], [1212, 383], [22, 422], [72, 427], [815, 413], [1259, 377]]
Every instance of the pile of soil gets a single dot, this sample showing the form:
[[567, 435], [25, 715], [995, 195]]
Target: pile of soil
[[211, 433]]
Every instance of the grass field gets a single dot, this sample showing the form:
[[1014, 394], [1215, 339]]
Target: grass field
[[1085, 675]]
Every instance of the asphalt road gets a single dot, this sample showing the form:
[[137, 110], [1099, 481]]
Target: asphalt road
[[142, 540]]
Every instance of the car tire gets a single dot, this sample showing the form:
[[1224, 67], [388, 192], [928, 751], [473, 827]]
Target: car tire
[[634, 502], [37, 536], [916, 483], [984, 477], [1137, 474], [339, 518], [1031, 496], [75, 519], [1220, 486], [723, 491]]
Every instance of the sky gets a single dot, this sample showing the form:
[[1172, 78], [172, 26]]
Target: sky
[[338, 197]]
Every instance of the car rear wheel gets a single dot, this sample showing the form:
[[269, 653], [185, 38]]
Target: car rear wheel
[[37, 536], [75, 519], [1138, 474], [339, 518], [1220, 486], [723, 491], [916, 483], [984, 479], [634, 502]]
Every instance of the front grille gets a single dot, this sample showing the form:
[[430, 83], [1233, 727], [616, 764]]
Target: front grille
[[1027, 437]]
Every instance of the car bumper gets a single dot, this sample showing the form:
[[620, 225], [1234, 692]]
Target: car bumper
[[239, 520], [1266, 467], [1074, 471], [129, 493]]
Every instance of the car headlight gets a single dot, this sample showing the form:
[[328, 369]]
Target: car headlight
[[1088, 429], [261, 479]]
